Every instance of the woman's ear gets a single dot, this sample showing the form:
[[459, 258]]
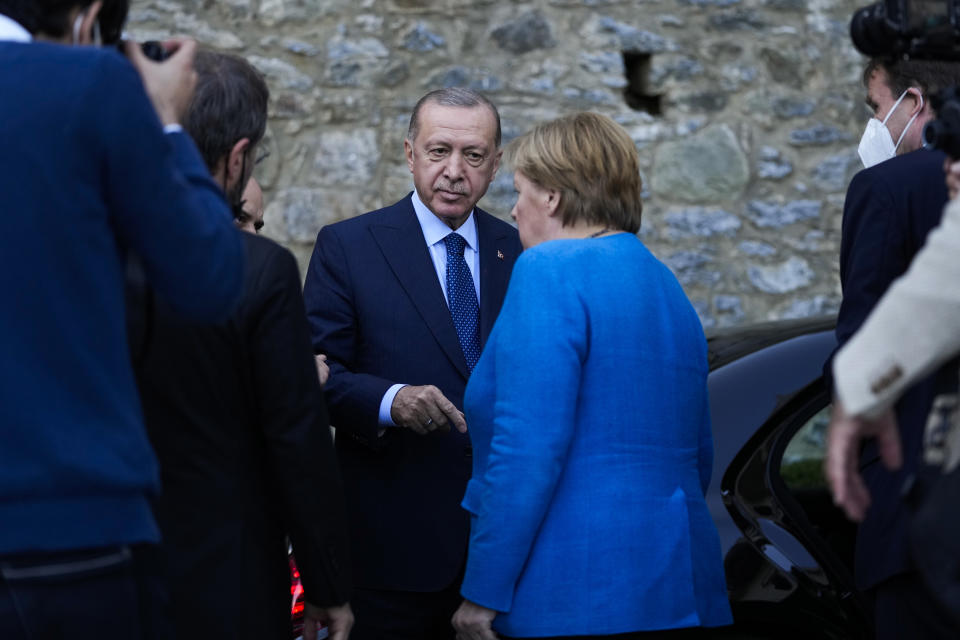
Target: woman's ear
[[552, 201]]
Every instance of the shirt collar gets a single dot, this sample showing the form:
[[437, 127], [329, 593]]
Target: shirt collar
[[435, 230], [12, 31]]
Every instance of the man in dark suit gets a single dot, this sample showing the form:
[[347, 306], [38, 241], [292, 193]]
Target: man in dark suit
[[237, 417], [402, 308], [889, 210], [93, 168]]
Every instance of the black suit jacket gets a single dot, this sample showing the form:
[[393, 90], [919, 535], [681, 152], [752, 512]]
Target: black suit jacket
[[889, 210], [377, 310], [237, 418]]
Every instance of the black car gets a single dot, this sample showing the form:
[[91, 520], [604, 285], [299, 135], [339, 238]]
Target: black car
[[788, 551]]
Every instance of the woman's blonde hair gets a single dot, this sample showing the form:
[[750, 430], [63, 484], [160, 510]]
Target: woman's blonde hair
[[591, 161]]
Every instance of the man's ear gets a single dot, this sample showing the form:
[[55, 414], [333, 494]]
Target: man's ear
[[90, 16], [235, 164], [408, 152], [919, 102]]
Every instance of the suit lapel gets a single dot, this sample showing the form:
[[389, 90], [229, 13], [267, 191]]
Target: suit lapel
[[405, 250], [496, 262]]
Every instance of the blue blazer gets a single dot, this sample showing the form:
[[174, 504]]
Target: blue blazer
[[889, 210], [592, 450], [377, 310]]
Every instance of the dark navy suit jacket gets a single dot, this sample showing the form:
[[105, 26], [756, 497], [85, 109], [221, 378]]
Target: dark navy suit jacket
[[889, 210], [377, 310]]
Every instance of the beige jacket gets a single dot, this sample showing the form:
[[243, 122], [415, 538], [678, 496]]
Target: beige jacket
[[913, 329]]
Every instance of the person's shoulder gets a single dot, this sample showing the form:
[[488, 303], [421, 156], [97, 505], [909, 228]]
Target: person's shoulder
[[496, 223], [902, 169], [262, 248], [62, 68], [264, 256], [394, 214]]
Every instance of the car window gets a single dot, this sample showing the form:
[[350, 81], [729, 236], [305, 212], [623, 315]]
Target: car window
[[802, 463]]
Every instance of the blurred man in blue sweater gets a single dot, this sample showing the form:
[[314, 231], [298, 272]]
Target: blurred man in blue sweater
[[91, 169]]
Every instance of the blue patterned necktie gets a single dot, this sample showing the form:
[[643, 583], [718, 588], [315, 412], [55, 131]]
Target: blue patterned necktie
[[462, 299]]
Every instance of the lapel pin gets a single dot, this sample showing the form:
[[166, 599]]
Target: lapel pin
[[499, 254]]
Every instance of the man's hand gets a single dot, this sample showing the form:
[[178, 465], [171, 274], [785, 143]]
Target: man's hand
[[339, 621], [170, 83], [473, 622], [425, 409], [323, 369], [844, 437]]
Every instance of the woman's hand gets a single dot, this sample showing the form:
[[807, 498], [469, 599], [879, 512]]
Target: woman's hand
[[472, 622]]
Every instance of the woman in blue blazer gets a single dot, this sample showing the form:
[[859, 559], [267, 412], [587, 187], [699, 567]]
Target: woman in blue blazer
[[589, 416]]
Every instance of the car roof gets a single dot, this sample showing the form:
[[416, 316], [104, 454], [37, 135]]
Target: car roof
[[727, 344]]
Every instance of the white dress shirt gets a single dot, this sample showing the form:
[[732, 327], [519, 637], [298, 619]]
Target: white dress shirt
[[434, 232]]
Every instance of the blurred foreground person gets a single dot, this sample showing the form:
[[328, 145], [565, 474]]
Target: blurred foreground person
[[237, 417], [89, 175], [589, 416], [890, 208]]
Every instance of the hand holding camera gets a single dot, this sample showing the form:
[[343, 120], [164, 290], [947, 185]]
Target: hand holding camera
[[169, 84]]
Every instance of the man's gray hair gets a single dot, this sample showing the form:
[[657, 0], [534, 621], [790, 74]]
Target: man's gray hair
[[452, 97]]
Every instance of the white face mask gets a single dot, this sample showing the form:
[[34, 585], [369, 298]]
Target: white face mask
[[876, 144]]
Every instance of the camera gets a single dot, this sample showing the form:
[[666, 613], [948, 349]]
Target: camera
[[944, 132], [928, 29], [151, 48]]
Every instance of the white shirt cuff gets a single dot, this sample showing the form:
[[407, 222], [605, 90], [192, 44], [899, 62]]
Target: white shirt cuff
[[386, 420], [172, 128]]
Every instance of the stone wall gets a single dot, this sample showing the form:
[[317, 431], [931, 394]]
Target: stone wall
[[746, 114]]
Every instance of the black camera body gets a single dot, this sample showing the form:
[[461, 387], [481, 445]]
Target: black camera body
[[944, 132], [151, 48], [922, 30], [925, 29]]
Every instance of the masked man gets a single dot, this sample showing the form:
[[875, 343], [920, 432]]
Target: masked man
[[889, 210]]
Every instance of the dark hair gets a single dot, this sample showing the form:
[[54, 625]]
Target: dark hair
[[452, 97], [51, 17], [229, 104], [930, 76]]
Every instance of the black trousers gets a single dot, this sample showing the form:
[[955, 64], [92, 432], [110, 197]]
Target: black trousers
[[904, 609], [404, 615], [94, 594]]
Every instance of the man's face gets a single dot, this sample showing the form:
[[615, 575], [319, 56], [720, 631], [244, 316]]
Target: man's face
[[880, 101], [453, 159], [252, 220]]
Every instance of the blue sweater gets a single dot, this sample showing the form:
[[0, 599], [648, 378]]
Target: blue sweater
[[85, 173], [592, 450]]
